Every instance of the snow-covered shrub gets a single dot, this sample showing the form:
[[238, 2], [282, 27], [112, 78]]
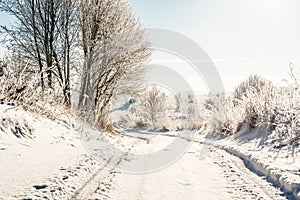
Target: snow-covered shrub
[[193, 110], [257, 103], [287, 113], [185, 111], [20, 85], [216, 106], [256, 99], [16, 83], [254, 84], [287, 123], [251, 105]]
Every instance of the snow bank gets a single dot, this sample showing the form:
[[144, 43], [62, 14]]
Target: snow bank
[[280, 166], [33, 149], [47, 159]]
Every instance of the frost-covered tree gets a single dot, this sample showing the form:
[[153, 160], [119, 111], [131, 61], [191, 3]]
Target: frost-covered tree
[[150, 108], [115, 49], [44, 34], [191, 110], [178, 99]]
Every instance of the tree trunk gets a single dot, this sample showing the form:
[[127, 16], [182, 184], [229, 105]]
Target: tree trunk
[[36, 43]]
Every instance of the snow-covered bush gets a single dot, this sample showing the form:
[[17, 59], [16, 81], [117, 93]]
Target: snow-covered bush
[[216, 106], [249, 106], [254, 83], [20, 85], [192, 109], [257, 103], [287, 124], [287, 113]]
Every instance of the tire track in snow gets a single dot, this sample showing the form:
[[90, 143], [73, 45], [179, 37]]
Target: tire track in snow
[[270, 191], [245, 183], [240, 178], [90, 187]]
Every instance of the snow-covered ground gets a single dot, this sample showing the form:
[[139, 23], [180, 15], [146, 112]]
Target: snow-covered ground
[[45, 159], [280, 164], [218, 175], [41, 158]]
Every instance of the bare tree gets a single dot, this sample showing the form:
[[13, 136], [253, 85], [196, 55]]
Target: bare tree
[[178, 99], [44, 33], [115, 49]]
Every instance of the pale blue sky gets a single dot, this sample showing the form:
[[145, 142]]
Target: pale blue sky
[[241, 36], [4, 20]]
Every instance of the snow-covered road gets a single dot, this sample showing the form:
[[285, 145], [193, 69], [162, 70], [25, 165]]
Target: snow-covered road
[[218, 175], [188, 178]]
